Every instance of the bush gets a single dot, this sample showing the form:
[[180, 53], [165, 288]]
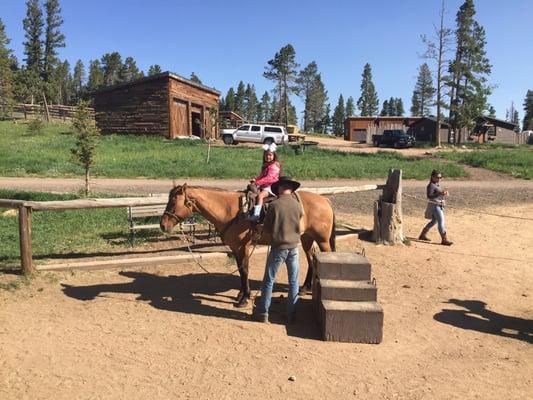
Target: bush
[[35, 127]]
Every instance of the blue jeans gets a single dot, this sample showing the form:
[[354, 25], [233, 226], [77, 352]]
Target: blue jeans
[[438, 217], [274, 261]]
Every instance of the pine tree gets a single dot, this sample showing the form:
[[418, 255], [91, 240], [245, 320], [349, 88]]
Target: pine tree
[[33, 27], [263, 108], [339, 117], [415, 104], [318, 104], [87, 136], [305, 81], [112, 68], [229, 101], [154, 69], [7, 63], [282, 70], [54, 39], [292, 118], [423, 94], [528, 111], [96, 76], [400, 111], [61, 87], [391, 110], [78, 80], [195, 78], [274, 110], [27, 86], [368, 103], [384, 109], [240, 99], [325, 124], [469, 71], [250, 103], [129, 71], [350, 107]]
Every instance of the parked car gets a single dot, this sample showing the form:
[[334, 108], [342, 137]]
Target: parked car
[[393, 137], [256, 133]]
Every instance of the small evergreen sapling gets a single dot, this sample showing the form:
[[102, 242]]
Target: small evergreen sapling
[[87, 136]]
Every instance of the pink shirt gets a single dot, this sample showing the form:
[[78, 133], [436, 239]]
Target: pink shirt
[[269, 175]]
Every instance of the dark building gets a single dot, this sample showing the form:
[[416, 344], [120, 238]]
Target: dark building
[[490, 129], [164, 104], [424, 130]]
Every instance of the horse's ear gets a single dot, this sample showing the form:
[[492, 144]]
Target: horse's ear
[[184, 186], [174, 183]]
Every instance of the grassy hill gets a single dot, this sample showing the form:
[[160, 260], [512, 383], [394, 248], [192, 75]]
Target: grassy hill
[[124, 156]]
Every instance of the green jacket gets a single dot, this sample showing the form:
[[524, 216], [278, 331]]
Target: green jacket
[[282, 222]]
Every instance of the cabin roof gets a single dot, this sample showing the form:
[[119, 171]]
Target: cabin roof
[[162, 75]]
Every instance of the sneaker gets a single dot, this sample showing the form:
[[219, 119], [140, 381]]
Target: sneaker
[[260, 317]]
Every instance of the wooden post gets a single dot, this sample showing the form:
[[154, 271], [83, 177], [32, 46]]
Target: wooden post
[[388, 216], [46, 108], [25, 239]]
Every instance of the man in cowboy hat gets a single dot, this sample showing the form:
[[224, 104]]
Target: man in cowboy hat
[[282, 223]]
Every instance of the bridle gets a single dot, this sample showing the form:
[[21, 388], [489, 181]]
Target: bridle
[[189, 203]]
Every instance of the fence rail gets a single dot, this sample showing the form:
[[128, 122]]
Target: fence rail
[[26, 208], [55, 112]]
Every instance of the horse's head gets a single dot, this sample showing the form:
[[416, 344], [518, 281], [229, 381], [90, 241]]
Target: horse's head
[[179, 207]]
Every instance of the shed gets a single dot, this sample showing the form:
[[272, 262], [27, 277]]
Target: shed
[[424, 130], [490, 129], [361, 129], [164, 104]]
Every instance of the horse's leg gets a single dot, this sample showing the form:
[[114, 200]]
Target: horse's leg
[[307, 245], [243, 258]]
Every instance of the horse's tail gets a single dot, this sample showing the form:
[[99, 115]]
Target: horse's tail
[[333, 235]]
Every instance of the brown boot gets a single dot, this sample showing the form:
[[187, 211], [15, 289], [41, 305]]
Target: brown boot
[[445, 240], [423, 235]]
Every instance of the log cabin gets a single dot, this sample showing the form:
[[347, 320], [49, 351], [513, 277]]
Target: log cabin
[[164, 104]]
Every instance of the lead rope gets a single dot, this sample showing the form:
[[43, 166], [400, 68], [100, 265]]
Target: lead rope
[[468, 209], [186, 239]]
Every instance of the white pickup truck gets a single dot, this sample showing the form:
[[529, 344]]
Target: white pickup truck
[[256, 133]]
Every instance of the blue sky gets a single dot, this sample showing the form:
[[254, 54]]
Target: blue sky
[[227, 41]]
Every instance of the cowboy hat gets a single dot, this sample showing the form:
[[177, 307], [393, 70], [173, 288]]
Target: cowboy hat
[[284, 180]]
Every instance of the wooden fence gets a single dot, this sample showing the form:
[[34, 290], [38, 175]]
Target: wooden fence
[[51, 112], [26, 208]]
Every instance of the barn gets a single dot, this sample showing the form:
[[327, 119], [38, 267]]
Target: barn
[[164, 104]]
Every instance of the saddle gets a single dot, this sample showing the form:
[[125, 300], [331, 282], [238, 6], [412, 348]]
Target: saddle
[[248, 201]]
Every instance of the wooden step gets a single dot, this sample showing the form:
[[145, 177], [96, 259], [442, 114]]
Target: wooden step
[[340, 290], [349, 321], [343, 266]]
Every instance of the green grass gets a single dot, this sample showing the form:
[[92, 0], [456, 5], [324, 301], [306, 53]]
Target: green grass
[[127, 156], [513, 160], [62, 232]]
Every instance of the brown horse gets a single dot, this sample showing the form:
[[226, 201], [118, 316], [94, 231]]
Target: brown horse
[[221, 208]]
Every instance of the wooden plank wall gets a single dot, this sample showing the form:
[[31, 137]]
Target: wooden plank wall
[[139, 109], [198, 100]]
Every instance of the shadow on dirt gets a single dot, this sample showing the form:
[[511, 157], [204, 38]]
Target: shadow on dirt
[[192, 294], [477, 317]]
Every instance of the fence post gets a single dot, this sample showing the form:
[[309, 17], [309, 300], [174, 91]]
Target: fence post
[[25, 239]]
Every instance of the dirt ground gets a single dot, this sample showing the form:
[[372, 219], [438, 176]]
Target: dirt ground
[[458, 322]]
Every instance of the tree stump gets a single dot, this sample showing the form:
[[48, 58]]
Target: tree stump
[[388, 217]]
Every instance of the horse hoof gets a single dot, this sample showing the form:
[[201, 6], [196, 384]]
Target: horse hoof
[[305, 290], [241, 303]]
